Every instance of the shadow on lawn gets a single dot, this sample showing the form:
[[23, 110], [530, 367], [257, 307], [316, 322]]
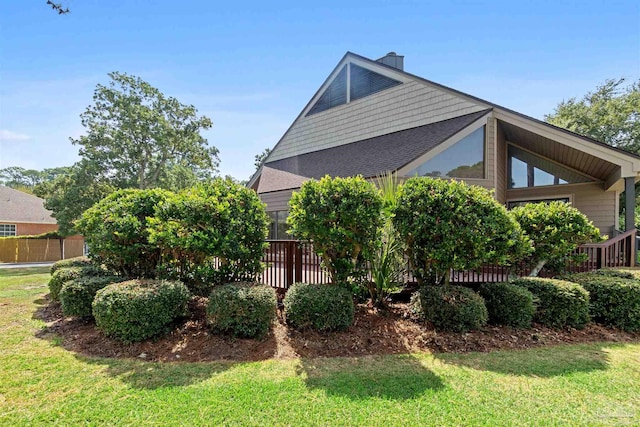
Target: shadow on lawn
[[389, 377], [539, 362], [153, 375]]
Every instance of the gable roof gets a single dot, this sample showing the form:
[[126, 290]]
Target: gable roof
[[19, 207], [275, 180], [373, 156]]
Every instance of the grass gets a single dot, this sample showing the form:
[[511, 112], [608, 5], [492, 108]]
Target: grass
[[41, 383]]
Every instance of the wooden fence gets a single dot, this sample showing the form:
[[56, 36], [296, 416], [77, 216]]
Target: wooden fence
[[291, 261], [39, 250]]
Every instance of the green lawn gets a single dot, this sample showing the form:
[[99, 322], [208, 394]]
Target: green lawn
[[43, 384]]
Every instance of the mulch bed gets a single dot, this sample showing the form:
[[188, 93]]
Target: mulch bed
[[392, 331]]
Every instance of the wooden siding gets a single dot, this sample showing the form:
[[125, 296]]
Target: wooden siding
[[591, 199], [501, 165], [277, 200], [402, 107]]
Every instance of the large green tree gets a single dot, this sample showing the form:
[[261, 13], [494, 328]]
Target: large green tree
[[610, 114], [28, 179], [139, 137], [136, 137]]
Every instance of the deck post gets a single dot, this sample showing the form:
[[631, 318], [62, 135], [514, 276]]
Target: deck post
[[630, 208]]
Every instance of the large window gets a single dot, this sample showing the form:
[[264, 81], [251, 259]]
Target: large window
[[464, 159], [278, 227], [529, 170], [7, 230], [362, 82]]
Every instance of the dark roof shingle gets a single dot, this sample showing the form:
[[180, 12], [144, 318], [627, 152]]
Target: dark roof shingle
[[374, 156]]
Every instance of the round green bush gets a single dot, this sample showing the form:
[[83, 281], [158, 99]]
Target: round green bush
[[455, 308], [560, 303], [508, 304], [64, 274], [610, 272], [139, 309], [76, 296], [615, 301], [242, 309], [80, 261], [320, 307]]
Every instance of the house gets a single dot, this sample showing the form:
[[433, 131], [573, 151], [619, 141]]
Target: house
[[23, 214], [370, 117]]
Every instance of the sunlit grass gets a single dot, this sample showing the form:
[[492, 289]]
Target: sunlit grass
[[41, 383]]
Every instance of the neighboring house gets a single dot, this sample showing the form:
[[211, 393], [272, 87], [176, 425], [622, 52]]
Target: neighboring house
[[23, 214], [370, 117]]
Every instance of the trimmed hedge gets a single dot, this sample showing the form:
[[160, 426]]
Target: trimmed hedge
[[615, 301], [508, 304], [318, 306], [79, 261], [455, 308], [139, 309], [76, 296], [242, 309], [65, 274], [610, 272], [561, 303]]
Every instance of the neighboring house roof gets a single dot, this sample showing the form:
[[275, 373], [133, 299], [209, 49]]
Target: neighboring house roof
[[19, 207], [373, 156], [275, 180]]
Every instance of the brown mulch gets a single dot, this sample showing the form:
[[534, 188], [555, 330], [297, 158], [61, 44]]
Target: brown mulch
[[391, 331]]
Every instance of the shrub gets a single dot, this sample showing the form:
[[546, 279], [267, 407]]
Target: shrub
[[560, 303], [341, 216], [556, 230], [65, 274], [242, 310], [211, 234], [80, 261], [320, 307], [615, 300], [610, 272], [508, 304], [449, 225], [116, 231], [76, 296], [453, 308], [139, 309]]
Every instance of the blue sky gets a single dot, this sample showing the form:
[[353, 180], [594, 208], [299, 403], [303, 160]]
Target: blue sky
[[252, 66]]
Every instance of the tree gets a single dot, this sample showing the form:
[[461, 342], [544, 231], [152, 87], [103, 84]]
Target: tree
[[610, 114], [341, 216], [28, 179], [137, 137], [556, 229], [448, 225], [70, 194], [260, 158]]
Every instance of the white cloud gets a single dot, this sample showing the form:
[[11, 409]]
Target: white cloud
[[7, 135]]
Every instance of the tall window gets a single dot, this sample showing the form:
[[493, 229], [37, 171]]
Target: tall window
[[464, 159], [278, 226], [528, 170], [7, 230]]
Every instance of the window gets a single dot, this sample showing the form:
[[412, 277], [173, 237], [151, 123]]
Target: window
[[516, 203], [278, 227], [7, 230], [529, 170], [365, 82], [362, 82], [334, 95], [464, 159]]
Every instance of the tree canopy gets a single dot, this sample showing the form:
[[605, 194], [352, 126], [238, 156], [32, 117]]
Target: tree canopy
[[610, 114]]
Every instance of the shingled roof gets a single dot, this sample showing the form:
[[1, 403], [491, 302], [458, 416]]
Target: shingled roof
[[374, 156], [19, 207]]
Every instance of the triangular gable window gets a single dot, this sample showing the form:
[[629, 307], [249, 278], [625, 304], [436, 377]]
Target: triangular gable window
[[336, 94], [362, 82], [366, 82], [528, 170]]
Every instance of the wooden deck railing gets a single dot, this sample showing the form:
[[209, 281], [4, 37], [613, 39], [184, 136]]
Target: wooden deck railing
[[291, 261]]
